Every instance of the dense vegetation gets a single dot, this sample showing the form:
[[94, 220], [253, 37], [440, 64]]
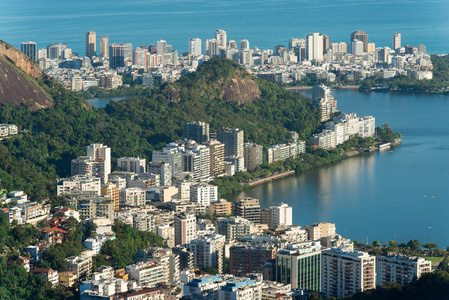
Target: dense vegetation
[[128, 241], [52, 137]]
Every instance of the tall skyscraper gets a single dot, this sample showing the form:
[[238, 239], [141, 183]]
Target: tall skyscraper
[[221, 36], [104, 46], [197, 131], [29, 49], [116, 56], [314, 46], [396, 41], [253, 154], [140, 57], [357, 47], [208, 251], [195, 47], [248, 208], [233, 140], [91, 44], [360, 35], [326, 43]]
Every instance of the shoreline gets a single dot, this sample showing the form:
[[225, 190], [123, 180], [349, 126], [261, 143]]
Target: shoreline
[[354, 153], [344, 87]]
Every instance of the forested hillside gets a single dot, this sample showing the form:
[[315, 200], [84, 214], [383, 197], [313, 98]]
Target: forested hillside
[[51, 137]]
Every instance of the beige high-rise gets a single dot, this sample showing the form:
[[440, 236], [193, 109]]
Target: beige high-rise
[[104, 46], [91, 44]]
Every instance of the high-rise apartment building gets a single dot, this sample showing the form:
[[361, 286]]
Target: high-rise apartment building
[[246, 259], [111, 190], [195, 47], [203, 194], [168, 260], [185, 228], [244, 44], [212, 47], [234, 227], [347, 272], [314, 46], [326, 43], [396, 43], [100, 151], [248, 208], [400, 269], [196, 160], [253, 154], [197, 131], [357, 48], [104, 46], [91, 44], [208, 251], [163, 169], [132, 164], [221, 37], [161, 46], [216, 157], [116, 56], [300, 265], [171, 155], [140, 57], [360, 35], [132, 196], [278, 215], [29, 49], [233, 140], [88, 166], [322, 98]]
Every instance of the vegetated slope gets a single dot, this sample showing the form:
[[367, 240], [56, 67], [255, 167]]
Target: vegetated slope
[[221, 93], [55, 135], [17, 84]]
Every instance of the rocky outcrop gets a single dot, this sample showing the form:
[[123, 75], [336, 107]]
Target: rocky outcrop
[[20, 60], [15, 86], [241, 91]]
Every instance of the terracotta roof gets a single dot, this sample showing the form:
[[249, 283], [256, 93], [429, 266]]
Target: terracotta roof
[[48, 229]]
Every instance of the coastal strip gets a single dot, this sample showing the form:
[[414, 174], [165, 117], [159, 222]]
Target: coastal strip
[[269, 178], [343, 87]]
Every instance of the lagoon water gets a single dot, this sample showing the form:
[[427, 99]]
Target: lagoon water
[[264, 23], [391, 195]]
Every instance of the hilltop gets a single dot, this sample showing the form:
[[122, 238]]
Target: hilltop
[[18, 83], [221, 93]]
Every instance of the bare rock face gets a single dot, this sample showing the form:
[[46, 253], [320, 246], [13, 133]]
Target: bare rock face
[[241, 91], [20, 60], [14, 86]]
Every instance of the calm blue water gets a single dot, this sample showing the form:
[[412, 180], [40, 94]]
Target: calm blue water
[[264, 23], [102, 102], [402, 195]]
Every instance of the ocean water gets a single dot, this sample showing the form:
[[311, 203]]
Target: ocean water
[[264, 23]]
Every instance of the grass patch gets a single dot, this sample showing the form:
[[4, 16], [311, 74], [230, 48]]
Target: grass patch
[[435, 260]]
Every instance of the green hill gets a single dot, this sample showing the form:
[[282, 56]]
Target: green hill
[[51, 137]]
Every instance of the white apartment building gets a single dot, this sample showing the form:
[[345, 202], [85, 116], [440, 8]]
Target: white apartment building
[[208, 251], [171, 155], [147, 273], [400, 269], [100, 151], [203, 193], [132, 164], [78, 183], [347, 272], [132, 196], [281, 215], [241, 289], [90, 167], [168, 260]]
